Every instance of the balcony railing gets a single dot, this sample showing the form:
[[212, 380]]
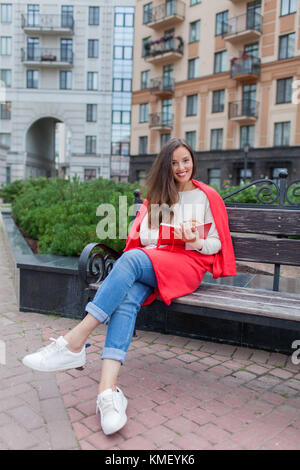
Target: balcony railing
[[47, 56], [245, 66], [161, 120], [244, 25], [243, 110], [165, 14], [165, 45], [47, 22], [162, 86]]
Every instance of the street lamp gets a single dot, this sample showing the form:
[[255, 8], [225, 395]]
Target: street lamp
[[246, 150]]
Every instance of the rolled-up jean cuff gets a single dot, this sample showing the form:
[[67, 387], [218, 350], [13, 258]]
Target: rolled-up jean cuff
[[112, 353], [99, 314]]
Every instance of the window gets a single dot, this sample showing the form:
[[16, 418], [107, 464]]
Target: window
[[244, 176], [90, 144], [94, 15], [282, 133], [193, 68], [166, 112], [252, 49], [286, 46], [288, 7], [214, 177], [164, 139], [220, 62], [216, 139], [121, 117], [144, 112], [6, 12], [221, 23], [246, 136], [91, 113], [146, 46], [194, 31], [145, 79], [66, 50], [6, 77], [33, 48], [218, 101], [33, 15], [124, 20], [122, 84], [32, 79], [195, 2], [65, 80], [143, 145], [90, 174], [5, 110], [191, 105], [92, 81], [5, 138], [120, 148], [147, 13], [8, 175], [190, 138], [123, 52], [168, 77], [93, 48], [67, 16], [5, 45], [284, 90]]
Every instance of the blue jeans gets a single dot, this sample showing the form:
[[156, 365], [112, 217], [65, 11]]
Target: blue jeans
[[119, 299]]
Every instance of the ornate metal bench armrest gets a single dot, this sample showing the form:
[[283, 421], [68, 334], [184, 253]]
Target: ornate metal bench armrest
[[95, 262]]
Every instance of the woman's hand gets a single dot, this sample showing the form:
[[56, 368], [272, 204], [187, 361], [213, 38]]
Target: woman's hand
[[187, 231]]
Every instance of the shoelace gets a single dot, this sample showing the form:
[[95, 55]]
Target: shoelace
[[51, 347], [107, 403]]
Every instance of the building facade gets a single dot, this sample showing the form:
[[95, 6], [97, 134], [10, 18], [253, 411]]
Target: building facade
[[56, 68], [224, 75]]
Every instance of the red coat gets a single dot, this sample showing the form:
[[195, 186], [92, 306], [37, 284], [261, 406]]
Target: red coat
[[179, 271]]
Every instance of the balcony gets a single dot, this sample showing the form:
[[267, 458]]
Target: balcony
[[167, 49], [166, 15], [245, 69], [161, 121], [244, 28], [49, 58], [162, 87], [245, 111], [48, 24]]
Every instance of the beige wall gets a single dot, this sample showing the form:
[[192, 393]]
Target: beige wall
[[271, 70]]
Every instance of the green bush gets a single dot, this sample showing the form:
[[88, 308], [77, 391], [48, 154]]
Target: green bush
[[61, 214]]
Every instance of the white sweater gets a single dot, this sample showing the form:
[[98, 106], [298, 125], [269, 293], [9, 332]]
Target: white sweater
[[192, 204]]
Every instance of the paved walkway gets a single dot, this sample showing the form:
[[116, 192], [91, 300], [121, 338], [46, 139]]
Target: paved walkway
[[183, 393]]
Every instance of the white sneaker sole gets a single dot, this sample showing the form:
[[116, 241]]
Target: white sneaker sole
[[73, 365], [122, 422]]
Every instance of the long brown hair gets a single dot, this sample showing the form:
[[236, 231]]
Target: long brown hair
[[162, 189]]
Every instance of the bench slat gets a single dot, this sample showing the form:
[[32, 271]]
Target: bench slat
[[266, 249], [264, 221], [245, 300]]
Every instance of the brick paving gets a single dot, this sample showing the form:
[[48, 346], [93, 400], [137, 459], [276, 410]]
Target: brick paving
[[183, 393]]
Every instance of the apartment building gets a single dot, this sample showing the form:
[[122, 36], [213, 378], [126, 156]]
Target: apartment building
[[224, 75], [65, 69]]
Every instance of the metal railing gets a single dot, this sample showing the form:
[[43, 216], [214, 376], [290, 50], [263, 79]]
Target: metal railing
[[242, 23], [162, 84], [47, 21], [167, 43], [161, 120], [46, 55], [245, 107], [247, 64], [165, 10]]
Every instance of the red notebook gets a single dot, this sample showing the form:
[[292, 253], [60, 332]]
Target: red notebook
[[166, 234]]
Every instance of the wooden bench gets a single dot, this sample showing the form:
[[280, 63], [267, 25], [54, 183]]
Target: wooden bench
[[221, 310]]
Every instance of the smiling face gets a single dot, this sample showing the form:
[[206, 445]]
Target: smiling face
[[182, 168]]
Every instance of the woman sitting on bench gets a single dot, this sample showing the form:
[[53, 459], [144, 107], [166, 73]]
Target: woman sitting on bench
[[148, 267]]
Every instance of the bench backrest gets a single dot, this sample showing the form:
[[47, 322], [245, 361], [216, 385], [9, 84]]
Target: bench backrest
[[260, 234]]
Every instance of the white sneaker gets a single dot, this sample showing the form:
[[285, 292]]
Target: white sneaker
[[112, 406], [55, 356]]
